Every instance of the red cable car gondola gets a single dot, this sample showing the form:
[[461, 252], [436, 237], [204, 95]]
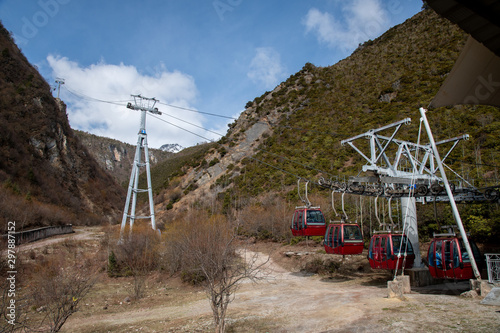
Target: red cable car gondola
[[343, 238], [384, 249], [308, 221], [448, 259]]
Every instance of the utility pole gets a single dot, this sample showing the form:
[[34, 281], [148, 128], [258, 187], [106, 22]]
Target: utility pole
[[144, 105], [59, 81]]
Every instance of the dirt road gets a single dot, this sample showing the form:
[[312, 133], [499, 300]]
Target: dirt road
[[290, 301], [287, 300]]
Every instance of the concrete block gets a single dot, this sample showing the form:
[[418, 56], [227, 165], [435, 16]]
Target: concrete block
[[405, 283], [493, 297], [420, 277], [398, 287], [395, 289]]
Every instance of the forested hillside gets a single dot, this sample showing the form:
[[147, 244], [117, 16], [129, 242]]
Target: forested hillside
[[296, 129], [47, 176]]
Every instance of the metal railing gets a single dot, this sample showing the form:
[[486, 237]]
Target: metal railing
[[32, 235], [493, 266]]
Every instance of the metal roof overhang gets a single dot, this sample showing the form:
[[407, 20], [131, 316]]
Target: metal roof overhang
[[475, 77]]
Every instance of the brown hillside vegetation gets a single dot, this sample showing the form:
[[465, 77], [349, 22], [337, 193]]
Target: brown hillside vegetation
[[46, 175], [347, 297]]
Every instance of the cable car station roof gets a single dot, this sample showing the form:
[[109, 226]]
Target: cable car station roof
[[479, 18], [475, 78]]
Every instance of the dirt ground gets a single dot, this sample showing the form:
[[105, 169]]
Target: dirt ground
[[354, 299]]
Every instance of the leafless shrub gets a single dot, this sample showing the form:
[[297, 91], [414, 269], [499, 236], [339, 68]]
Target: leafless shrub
[[59, 284], [139, 254], [209, 248], [267, 219], [13, 302], [12, 315]]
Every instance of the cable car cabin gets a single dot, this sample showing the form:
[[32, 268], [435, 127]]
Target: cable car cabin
[[384, 249], [448, 258], [308, 222], [343, 238]]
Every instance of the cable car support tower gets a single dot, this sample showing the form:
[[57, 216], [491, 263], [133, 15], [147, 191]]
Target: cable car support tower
[[144, 105], [418, 182]]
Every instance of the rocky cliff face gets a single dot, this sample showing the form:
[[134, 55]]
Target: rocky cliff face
[[116, 157], [47, 176]]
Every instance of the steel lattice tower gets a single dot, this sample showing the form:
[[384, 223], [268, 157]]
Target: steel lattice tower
[[144, 105]]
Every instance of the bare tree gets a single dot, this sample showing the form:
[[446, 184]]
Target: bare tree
[[58, 287], [13, 302], [210, 248], [12, 314]]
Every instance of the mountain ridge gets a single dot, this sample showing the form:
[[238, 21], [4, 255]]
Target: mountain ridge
[[47, 175], [171, 147], [116, 157]]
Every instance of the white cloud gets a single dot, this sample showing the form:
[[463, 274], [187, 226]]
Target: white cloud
[[116, 83], [266, 68], [359, 21]]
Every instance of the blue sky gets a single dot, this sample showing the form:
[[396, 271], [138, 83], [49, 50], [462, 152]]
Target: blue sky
[[209, 55]]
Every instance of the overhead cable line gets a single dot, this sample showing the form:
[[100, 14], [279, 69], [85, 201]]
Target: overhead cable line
[[187, 122], [481, 164], [120, 103], [165, 121], [192, 110], [260, 122], [83, 96]]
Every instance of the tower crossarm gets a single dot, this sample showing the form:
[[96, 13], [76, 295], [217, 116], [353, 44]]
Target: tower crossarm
[[378, 143], [455, 141], [422, 166], [144, 104]]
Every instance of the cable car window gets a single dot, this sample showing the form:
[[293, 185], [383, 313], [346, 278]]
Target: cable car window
[[405, 247], [315, 216], [336, 236], [438, 254], [370, 249], [465, 255], [396, 244], [475, 251], [352, 232], [301, 219], [330, 236], [431, 260], [456, 259], [447, 254], [409, 247]]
